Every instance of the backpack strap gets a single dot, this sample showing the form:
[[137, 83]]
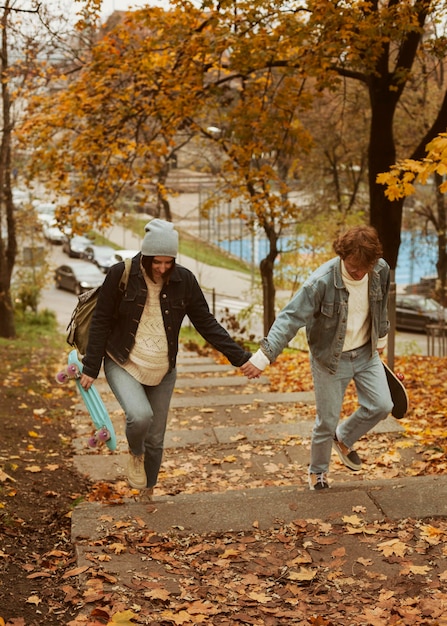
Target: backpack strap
[[125, 275]]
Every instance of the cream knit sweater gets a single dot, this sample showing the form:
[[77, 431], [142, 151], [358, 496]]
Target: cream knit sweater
[[358, 329], [148, 361]]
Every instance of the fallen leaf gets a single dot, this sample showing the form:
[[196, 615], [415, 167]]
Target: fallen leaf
[[394, 546], [76, 571], [4, 477], [415, 569], [123, 618], [303, 575], [39, 575], [157, 594]]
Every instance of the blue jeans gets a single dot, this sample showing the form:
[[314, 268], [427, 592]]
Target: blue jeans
[[146, 410], [373, 395]]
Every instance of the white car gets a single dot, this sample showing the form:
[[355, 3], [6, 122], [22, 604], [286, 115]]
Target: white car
[[45, 212], [122, 255], [53, 233]]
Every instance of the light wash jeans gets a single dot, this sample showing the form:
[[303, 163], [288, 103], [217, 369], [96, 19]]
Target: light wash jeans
[[373, 395], [146, 409]]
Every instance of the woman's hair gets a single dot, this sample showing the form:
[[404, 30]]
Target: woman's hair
[[146, 262], [361, 243]]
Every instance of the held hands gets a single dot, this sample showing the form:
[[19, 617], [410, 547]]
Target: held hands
[[250, 370]]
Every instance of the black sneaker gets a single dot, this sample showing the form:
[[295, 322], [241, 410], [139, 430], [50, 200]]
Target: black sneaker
[[318, 481], [350, 458]]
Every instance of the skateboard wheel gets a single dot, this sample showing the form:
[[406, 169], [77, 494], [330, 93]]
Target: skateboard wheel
[[103, 434], [400, 376], [73, 370], [93, 442], [62, 377]]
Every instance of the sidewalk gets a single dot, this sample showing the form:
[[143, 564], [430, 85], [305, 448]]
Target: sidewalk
[[236, 459]]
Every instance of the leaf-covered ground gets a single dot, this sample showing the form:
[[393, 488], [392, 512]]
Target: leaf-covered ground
[[309, 572], [38, 489], [426, 382]]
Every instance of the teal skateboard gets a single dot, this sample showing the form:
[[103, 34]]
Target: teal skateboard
[[105, 433], [398, 392]]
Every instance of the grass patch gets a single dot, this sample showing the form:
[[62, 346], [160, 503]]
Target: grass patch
[[33, 331]]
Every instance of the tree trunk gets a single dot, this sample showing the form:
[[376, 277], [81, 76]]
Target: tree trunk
[[163, 205], [266, 267], [441, 264], [385, 215], [8, 242]]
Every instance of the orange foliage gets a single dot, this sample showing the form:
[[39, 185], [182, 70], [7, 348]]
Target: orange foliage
[[424, 379]]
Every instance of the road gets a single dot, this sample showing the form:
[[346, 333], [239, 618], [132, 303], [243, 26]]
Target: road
[[63, 303]]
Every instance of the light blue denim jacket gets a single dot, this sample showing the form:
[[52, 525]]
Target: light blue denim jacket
[[321, 306]]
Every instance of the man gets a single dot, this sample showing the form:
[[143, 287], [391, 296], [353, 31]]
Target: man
[[343, 306]]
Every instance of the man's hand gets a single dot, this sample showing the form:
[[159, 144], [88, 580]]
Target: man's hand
[[250, 370]]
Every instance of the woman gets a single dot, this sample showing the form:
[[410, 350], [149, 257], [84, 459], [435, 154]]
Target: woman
[[136, 334]]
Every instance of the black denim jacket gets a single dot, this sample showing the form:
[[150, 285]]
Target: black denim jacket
[[117, 315]]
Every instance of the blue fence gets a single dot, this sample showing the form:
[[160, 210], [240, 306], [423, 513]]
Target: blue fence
[[417, 254]]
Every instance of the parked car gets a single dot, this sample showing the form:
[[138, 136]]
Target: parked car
[[45, 211], [122, 255], [425, 287], [53, 233], [101, 256], [75, 246], [414, 312], [78, 277]]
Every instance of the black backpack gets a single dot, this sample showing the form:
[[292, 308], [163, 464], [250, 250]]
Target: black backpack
[[79, 324]]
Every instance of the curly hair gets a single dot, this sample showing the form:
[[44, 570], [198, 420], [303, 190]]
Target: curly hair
[[361, 244]]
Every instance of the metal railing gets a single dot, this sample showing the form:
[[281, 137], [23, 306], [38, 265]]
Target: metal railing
[[436, 339]]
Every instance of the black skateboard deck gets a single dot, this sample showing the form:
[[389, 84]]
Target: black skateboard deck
[[398, 394]]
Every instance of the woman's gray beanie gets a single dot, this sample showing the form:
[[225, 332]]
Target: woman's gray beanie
[[161, 239]]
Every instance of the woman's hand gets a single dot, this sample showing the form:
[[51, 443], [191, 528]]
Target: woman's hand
[[86, 381]]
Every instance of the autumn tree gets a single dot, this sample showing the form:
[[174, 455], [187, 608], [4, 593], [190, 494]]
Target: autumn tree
[[120, 120], [161, 76], [403, 180], [152, 83], [260, 135], [30, 35]]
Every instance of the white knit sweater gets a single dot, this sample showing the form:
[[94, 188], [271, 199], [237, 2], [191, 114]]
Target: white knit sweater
[[148, 360], [358, 329]]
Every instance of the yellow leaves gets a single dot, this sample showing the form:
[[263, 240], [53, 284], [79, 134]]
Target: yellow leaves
[[400, 180], [432, 534], [32, 433], [117, 548], [353, 520], [443, 575], [76, 571], [181, 617], [157, 594], [304, 575], [417, 570], [34, 599], [4, 477], [230, 552], [122, 618], [393, 547]]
